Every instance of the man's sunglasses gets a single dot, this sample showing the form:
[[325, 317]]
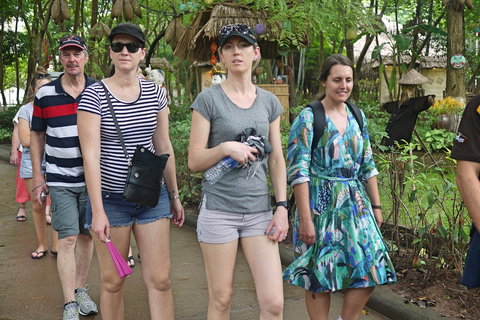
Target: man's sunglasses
[[42, 76], [132, 47]]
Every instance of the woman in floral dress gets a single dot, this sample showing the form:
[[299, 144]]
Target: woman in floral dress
[[338, 244]]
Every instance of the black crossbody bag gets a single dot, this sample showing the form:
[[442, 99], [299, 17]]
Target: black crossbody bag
[[145, 169]]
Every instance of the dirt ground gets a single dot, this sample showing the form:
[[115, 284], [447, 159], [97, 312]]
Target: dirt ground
[[430, 287]]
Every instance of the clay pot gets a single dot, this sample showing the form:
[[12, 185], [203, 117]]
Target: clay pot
[[444, 121]]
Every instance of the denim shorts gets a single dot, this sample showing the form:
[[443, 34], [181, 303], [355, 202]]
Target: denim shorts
[[121, 213], [26, 165], [218, 227], [68, 206]]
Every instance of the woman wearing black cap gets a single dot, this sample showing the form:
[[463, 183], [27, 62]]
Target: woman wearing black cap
[[237, 208], [140, 108]]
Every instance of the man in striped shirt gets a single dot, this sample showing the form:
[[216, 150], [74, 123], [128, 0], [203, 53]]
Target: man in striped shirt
[[54, 131]]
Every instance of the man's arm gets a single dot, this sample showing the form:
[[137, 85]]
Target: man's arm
[[469, 187], [37, 147]]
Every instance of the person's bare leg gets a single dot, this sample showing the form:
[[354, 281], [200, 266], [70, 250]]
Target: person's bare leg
[[66, 266], [354, 301], [156, 266], [38, 213], [318, 305], [83, 257], [219, 266], [112, 286], [264, 260]]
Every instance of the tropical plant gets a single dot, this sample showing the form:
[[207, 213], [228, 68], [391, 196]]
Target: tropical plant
[[447, 105]]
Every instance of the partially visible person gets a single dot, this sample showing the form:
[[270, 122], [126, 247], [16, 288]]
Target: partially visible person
[[54, 130], [40, 78], [337, 240], [21, 192], [236, 209], [466, 151], [140, 108]]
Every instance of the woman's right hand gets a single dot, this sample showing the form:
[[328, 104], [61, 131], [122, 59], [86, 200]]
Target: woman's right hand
[[306, 231], [101, 225], [238, 151]]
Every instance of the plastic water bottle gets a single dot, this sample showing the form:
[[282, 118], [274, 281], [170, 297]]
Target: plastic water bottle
[[220, 169]]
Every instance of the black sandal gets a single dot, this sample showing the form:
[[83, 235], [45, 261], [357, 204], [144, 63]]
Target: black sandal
[[131, 261]]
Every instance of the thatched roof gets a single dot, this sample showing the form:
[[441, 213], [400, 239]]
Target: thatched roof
[[413, 77], [196, 41], [429, 62], [161, 63]]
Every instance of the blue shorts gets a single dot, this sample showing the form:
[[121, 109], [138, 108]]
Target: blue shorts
[[471, 272], [121, 213], [26, 165]]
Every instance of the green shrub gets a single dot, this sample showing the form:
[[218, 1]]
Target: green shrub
[[6, 123]]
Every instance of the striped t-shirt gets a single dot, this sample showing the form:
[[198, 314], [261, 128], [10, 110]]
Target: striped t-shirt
[[137, 121], [55, 112]]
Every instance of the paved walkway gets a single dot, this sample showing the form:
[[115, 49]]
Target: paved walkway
[[30, 289]]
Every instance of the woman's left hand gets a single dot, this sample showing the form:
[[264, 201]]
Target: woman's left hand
[[377, 213], [178, 213], [280, 222]]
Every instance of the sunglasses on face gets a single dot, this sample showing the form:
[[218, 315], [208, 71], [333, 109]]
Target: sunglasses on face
[[240, 28], [42, 76], [132, 47]]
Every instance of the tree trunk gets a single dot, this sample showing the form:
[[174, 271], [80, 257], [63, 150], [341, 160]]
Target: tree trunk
[[2, 70], [15, 38], [321, 58], [455, 45]]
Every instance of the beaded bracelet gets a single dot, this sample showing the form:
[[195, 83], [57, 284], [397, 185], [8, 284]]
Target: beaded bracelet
[[173, 197]]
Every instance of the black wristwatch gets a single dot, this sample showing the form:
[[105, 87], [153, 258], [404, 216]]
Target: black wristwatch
[[282, 204]]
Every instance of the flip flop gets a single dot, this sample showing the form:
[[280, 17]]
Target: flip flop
[[55, 253], [39, 252], [21, 218], [131, 261]]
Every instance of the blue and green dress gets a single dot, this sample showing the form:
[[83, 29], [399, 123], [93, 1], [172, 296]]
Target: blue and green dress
[[349, 251]]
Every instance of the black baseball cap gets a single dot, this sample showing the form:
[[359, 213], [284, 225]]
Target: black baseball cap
[[72, 41], [238, 29], [130, 29]]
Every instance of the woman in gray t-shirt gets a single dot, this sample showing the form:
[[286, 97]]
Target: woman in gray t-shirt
[[237, 207]]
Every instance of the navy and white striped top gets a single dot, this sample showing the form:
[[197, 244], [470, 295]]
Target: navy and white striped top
[[137, 121], [55, 112]]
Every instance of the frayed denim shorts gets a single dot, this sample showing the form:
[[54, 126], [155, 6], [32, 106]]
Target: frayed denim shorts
[[121, 213]]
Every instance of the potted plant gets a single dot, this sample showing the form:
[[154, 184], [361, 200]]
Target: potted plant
[[448, 112]]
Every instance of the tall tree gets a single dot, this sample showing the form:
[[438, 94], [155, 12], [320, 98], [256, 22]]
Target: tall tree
[[455, 45]]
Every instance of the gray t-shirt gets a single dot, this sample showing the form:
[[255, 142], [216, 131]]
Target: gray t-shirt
[[237, 191]]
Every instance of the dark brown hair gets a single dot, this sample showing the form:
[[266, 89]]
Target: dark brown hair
[[328, 64]]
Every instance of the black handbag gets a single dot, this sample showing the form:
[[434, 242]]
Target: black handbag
[[145, 169]]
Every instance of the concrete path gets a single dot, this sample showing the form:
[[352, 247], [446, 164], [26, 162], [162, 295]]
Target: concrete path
[[30, 289]]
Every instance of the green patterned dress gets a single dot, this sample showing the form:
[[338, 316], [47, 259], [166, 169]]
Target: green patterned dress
[[349, 251]]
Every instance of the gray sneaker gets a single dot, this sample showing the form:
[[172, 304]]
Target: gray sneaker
[[86, 306], [70, 312]]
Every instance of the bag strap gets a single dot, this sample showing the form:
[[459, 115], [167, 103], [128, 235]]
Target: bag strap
[[107, 96], [355, 110], [319, 122]]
